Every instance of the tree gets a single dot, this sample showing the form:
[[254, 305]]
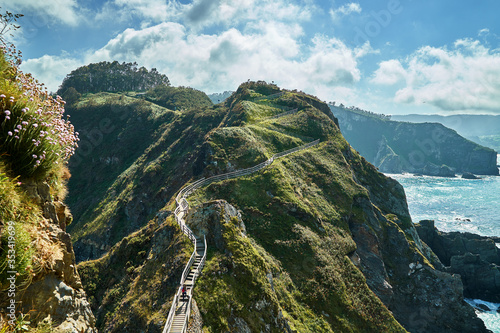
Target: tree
[[7, 25], [112, 77]]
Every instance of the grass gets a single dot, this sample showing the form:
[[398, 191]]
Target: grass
[[295, 213], [132, 286]]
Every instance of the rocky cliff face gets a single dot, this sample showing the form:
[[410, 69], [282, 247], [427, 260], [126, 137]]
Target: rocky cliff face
[[401, 269], [55, 295], [474, 257], [426, 148]]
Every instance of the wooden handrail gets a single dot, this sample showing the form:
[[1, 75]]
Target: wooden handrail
[[181, 211]]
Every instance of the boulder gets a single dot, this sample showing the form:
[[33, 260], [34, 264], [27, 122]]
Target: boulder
[[431, 169], [468, 175]]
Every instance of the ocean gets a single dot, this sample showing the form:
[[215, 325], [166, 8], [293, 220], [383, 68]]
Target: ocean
[[457, 204]]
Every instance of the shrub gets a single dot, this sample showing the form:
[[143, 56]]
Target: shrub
[[34, 137]]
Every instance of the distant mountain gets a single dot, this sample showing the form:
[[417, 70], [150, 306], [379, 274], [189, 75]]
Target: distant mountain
[[427, 148], [482, 129], [217, 98]]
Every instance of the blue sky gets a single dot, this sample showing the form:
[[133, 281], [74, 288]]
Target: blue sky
[[390, 56]]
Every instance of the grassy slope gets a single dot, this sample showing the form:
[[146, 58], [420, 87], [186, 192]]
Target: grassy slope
[[144, 156], [296, 211], [136, 293]]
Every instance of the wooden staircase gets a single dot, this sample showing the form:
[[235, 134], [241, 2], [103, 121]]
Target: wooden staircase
[[181, 313]]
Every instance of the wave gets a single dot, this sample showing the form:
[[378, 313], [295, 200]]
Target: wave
[[488, 312]]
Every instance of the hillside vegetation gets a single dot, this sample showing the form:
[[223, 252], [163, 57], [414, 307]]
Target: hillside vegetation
[[323, 241]]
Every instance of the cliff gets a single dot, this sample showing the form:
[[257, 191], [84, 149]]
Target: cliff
[[51, 297], [133, 156], [40, 289], [482, 129], [426, 148], [318, 241]]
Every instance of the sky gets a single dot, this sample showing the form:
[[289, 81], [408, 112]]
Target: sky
[[387, 56]]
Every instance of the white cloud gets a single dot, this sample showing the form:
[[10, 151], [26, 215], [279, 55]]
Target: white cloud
[[51, 70], [272, 51], [465, 78], [62, 11], [148, 10], [345, 10], [484, 31], [256, 39], [205, 13], [389, 72]]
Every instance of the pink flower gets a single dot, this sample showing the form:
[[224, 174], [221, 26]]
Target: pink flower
[[24, 123], [19, 126], [35, 125], [9, 133], [16, 137], [7, 112], [2, 96], [34, 156], [7, 118]]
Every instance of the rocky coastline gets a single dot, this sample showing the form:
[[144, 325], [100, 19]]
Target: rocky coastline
[[426, 148], [475, 258]]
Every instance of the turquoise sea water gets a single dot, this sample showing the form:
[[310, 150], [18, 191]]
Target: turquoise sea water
[[457, 204]]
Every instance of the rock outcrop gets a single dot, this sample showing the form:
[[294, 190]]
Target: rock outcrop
[[475, 258], [55, 295], [222, 224], [208, 219], [468, 175], [422, 298]]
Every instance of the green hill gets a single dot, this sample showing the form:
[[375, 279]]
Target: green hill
[[322, 241], [112, 77]]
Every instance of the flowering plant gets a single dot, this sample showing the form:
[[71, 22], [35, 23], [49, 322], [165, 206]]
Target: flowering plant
[[34, 136]]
